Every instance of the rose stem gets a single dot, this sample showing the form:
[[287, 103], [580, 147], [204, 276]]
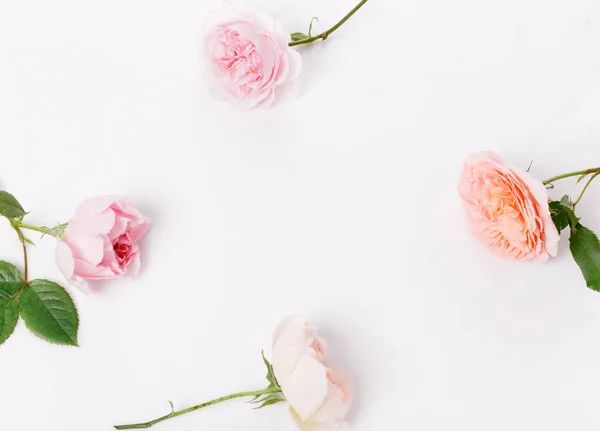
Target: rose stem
[[199, 406], [15, 226], [328, 33], [41, 229], [571, 174], [585, 188], [25, 263]]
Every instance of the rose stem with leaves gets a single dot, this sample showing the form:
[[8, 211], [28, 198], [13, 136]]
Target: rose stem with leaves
[[327, 33], [56, 231], [270, 390], [583, 242], [272, 395], [571, 174], [581, 174], [17, 225]]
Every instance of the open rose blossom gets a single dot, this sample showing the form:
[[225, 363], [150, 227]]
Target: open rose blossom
[[507, 209], [100, 241], [318, 396], [247, 58]]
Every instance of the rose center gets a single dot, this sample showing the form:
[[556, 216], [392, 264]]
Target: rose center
[[122, 247], [238, 57]]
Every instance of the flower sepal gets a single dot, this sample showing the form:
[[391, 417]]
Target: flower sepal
[[272, 398]]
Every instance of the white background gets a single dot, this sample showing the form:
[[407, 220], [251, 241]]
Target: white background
[[340, 205]]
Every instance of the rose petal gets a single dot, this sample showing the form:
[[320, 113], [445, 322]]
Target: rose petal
[[96, 205], [64, 260], [337, 403], [306, 388], [134, 266], [137, 232], [92, 272], [121, 225]]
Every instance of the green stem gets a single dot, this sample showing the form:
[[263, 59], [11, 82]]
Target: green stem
[[585, 188], [55, 231], [25, 263], [173, 414], [571, 174], [23, 240], [15, 226], [328, 33]]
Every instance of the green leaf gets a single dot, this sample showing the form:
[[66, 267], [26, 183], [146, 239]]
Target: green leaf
[[585, 249], [9, 206], [270, 399], [559, 215], [562, 215], [49, 312], [298, 36], [270, 374], [11, 281], [9, 314], [314, 18]]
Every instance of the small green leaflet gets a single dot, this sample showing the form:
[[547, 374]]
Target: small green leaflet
[[10, 283], [9, 206], [270, 374], [562, 214], [301, 36], [271, 398], [585, 249], [298, 36], [311, 25], [49, 312]]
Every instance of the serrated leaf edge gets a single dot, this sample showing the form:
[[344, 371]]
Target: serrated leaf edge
[[596, 243], [41, 337], [3, 320], [16, 205]]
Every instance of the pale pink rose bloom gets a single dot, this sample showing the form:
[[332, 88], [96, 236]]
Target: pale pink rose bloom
[[101, 241], [246, 57], [319, 397], [507, 209]]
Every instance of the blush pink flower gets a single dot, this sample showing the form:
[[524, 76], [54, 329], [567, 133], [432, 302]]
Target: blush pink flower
[[247, 58], [101, 241], [318, 396], [507, 209]]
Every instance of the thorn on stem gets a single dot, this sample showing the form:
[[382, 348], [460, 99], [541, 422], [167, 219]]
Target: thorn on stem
[[530, 165]]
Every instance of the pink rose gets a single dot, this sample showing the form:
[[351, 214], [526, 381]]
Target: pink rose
[[318, 396], [247, 57], [507, 209], [100, 241]]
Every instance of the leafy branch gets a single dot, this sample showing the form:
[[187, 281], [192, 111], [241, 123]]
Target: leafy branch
[[303, 39], [583, 242], [266, 397], [46, 308]]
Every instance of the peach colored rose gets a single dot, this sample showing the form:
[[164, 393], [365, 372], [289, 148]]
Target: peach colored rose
[[318, 396], [100, 241], [507, 209], [247, 58]]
